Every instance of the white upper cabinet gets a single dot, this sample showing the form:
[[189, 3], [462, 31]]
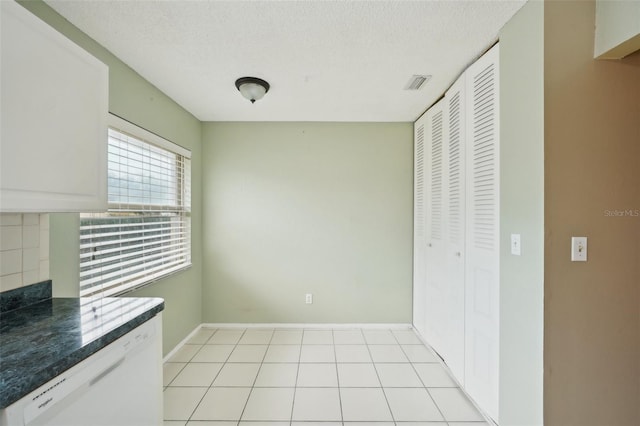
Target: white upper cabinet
[[53, 140]]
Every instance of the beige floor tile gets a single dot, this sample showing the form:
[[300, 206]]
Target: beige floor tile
[[197, 374], [434, 376], [398, 376], [364, 405], [379, 337], [222, 404], [317, 404], [269, 404], [179, 403], [248, 353], [358, 376], [419, 353], [226, 336], [287, 337], [317, 353], [256, 337], [317, 376], [277, 375], [352, 353], [170, 370], [282, 353], [348, 337], [454, 405], [387, 353], [412, 404], [317, 337], [213, 353], [242, 375]]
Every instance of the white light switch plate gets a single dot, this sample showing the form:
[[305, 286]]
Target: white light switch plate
[[515, 245], [578, 249]]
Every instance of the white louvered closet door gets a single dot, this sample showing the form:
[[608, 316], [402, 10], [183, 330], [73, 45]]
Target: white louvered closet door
[[482, 234], [419, 226], [454, 244], [436, 289]]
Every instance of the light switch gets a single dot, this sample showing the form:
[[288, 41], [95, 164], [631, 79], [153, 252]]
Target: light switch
[[578, 249], [515, 244]]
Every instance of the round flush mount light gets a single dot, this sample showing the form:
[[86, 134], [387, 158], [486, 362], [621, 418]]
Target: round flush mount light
[[252, 88]]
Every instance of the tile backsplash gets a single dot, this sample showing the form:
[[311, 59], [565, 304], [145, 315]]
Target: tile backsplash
[[24, 249]]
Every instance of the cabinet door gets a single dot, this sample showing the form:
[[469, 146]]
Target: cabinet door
[[419, 227], [454, 243], [436, 288], [482, 236], [54, 111]]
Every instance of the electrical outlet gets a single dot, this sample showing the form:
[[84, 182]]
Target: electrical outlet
[[578, 249], [308, 299], [515, 244]]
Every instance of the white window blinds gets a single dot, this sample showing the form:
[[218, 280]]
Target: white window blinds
[[146, 234]]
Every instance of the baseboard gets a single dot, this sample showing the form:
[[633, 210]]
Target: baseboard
[[312, 326], [180, 344]]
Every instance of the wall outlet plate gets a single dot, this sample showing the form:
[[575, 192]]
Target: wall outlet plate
[[516, 249], [308, 299]]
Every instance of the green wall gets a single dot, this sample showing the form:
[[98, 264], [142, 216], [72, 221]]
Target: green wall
[[522, 212], [135, 99], [296, 208]]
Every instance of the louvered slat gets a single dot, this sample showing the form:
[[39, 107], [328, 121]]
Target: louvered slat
[[455, 172], [484, 161], [419, 182], [436, 176]]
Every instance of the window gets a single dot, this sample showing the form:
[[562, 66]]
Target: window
[[146, 233]]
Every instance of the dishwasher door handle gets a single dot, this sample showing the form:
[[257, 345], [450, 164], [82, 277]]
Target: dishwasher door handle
[[106, 371]]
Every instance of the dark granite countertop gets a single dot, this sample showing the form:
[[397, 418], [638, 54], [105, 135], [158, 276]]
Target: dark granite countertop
[[41, 340]]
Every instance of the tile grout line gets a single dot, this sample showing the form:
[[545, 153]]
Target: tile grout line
[[393, 418], [335, 359], [295, 385], [257, 374], [420, 378], [214, 379]]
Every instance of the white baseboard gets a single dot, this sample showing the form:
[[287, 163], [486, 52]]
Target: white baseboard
[[181, 344], [314, 326], [392, 326]]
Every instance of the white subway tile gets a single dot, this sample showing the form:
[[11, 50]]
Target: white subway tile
[[31, 259], [30, 219], [30, 277], [10, 262], [44, 270], [7, 219], [30, 236], [10, 282], [44, 244], [44, 221], [10, 237]]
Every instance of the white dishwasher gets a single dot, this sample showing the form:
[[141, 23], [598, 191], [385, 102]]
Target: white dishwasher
[[120, 385]]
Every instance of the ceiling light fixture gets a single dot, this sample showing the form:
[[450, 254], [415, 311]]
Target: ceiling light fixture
[[252, 88]]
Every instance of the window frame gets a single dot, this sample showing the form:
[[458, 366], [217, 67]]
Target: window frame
[[182, 207]]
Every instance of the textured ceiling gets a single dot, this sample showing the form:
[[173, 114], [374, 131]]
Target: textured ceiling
[[325, 60]]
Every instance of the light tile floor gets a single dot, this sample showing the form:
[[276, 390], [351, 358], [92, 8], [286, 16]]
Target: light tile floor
[[295, 377]]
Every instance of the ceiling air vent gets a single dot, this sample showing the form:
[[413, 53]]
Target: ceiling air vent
[[416, 82]]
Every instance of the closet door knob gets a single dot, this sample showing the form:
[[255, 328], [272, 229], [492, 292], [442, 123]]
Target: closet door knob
[[458, 254]]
